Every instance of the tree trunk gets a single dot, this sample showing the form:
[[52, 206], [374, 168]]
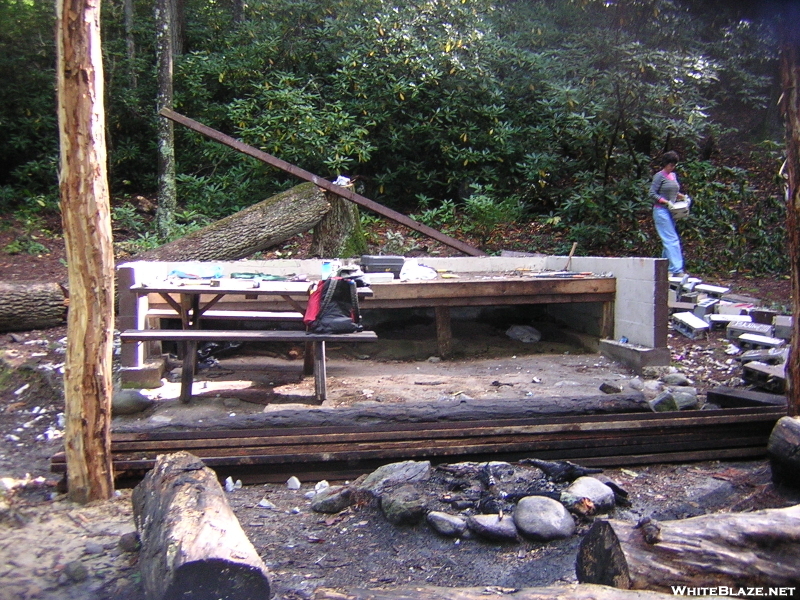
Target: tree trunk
[[250, 230], [556, 592], [790, 107], [167, 193], [758, 549], [86, 217], [784, 452], [339, 233], [130, 44], [26, 306], [192, 543]]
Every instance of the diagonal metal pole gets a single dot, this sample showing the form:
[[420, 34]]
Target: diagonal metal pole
[[321, 182]]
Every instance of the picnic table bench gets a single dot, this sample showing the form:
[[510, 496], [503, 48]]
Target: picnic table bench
[[190, 337]]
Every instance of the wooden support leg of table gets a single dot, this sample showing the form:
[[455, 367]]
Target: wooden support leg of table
[[607, 321], [187, 372], [308, 359], [444, 336], [320, 377]]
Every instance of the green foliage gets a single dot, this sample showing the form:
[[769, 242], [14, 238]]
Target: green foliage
[[26, 244], [474, 113]]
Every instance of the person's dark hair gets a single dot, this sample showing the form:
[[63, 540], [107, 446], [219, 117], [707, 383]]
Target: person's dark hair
[[669, 158]]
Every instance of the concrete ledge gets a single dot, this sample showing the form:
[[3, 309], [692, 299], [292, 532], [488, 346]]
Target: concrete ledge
[[635, 357], [148, 376]]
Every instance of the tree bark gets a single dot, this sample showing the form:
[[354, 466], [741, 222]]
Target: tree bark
[[167, 193], [192, 543], [86, 216], [26, 306], [784, 452], [790, 107], [758, 549], [130, 43], [339, 233], [250, 230], [559, 592]]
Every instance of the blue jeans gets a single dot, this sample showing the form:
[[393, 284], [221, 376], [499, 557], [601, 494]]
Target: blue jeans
[[665, 227]]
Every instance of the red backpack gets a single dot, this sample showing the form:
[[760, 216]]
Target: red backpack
[[333, 307]]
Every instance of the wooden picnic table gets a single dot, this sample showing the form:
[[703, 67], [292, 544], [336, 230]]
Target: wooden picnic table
[[191, 299]]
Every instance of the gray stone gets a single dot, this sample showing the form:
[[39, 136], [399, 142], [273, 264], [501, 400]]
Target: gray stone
[[636, 384], [711, 493], [683, 389], [675, 379], [403, 506], [598, 492], [664, 402], [395, 474], [332, 499], [494, 527], [652, 388], [76, 571], [685, 401], [446, 524], [129, 402], [93, 548], [231, 402], [610, 388], [543, 518], [129, 542]]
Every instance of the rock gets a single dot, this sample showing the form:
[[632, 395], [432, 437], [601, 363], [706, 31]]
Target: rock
[[636, 384], [293, 483], [332, 499], [524, 333], [446, 524], [685, 401], [583, 507], [598, 492], [129, 402], [543, 518], [93, 548], [664, 402], [494, 527], [651, 372], [129, 542], [231, 402], [652, 388], [395, 474], [76, 571], [610, 388], [711, 493], [265, 503], [403, 506], [672, 379]]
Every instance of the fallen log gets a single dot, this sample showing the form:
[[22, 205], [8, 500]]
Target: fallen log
[[559, 592], [251, 230], [26, 306], [339, 234], [734, 550], [784, 452], [192, 543]]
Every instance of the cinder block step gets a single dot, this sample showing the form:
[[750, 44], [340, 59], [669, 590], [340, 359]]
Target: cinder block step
[[783, 327], [689, 325], [719, 321], [751, 340], [736, 329], [769, 356], [770, 378]]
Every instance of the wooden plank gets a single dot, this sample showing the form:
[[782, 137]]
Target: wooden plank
[[222, 335], [497, 289], [238, 315], [321, 182]]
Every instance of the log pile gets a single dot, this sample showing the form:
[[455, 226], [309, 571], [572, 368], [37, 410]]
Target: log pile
[[734, 550], [192, 543]]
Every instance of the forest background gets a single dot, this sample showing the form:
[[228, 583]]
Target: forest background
[[517, 125]]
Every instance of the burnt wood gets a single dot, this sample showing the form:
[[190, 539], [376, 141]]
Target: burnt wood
[[755, 549], [784, 452], [728, 397], [591, 440]]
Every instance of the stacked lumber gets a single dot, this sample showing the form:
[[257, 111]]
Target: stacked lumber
[[269, 454]]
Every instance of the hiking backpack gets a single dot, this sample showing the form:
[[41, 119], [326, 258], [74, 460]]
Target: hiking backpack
[[333, 307]]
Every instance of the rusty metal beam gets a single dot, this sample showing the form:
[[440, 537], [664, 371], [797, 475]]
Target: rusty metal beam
[[321, 182]]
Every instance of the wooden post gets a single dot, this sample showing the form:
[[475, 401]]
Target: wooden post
[[86, 216], [790, 107], [444, 335]]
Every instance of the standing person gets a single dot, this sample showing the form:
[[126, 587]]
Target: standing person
[[664, 191]]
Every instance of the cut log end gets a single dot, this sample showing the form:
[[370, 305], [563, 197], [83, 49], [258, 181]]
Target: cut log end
[[217, 579], [601, 559], [784, 452]]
